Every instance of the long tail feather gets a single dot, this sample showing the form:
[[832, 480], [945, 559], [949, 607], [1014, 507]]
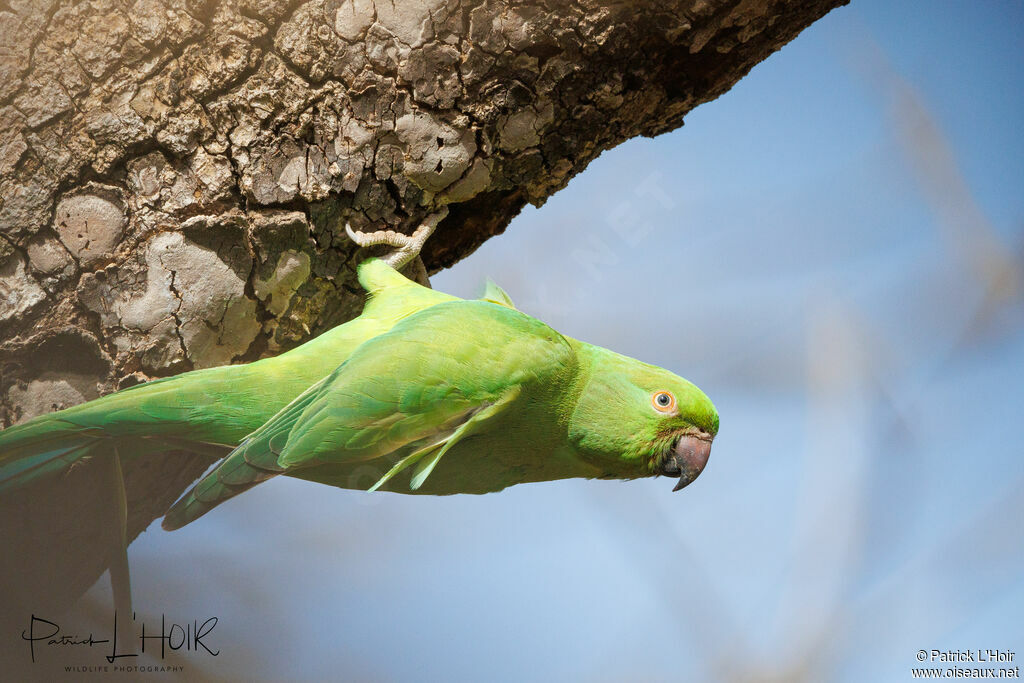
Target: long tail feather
[[39, 448]]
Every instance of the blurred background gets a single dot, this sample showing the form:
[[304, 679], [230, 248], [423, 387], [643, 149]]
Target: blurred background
[[833, 252]]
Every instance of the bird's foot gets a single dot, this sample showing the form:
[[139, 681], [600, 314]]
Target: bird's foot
[[407, 247]]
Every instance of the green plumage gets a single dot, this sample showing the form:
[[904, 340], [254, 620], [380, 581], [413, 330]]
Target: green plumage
[[422, 393]]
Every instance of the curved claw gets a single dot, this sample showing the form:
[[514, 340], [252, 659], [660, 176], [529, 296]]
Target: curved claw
[[407, 247]]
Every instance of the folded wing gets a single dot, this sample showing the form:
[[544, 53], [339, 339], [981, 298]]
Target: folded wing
[[416, 390]]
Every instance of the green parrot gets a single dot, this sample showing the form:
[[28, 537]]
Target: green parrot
[[422, 393], [469, 397]]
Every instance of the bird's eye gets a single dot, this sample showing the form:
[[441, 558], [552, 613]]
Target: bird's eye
[[664, 401]]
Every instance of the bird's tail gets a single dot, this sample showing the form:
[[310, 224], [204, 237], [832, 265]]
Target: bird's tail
[[50, 465], [42, 447]]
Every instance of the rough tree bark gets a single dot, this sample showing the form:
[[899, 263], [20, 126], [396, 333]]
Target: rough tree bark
[[175, 177]]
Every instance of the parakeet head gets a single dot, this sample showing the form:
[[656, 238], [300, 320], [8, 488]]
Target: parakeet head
[[632, 419]]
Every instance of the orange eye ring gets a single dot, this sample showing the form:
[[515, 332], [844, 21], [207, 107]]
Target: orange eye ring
[[663, 401]]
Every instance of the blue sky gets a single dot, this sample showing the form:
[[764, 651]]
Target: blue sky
[[801, 250]]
